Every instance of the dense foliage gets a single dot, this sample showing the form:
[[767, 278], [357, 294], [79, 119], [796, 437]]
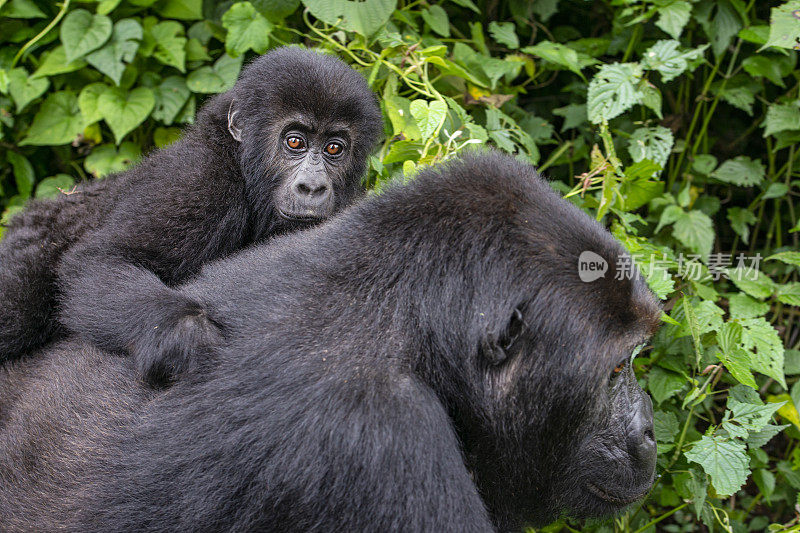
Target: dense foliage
[[675, 122]]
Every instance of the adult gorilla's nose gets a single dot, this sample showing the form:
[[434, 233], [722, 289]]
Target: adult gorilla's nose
[[641, 440], [312, 190]]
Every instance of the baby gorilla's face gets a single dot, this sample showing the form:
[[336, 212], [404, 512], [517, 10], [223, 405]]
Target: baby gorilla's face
[[310, 165]]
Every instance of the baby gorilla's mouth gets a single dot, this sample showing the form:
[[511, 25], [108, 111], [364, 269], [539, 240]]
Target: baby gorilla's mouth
[[616, 499]]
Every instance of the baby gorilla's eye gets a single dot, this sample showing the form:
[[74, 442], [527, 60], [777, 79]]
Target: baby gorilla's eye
[[333, 148], [295, 142]]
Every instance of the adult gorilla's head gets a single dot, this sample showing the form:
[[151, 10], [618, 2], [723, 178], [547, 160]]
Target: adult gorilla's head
[[548, 409], [305, 124]]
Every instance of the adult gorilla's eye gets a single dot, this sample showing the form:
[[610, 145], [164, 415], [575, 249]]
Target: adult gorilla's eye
[[333, 148], [295, 142]]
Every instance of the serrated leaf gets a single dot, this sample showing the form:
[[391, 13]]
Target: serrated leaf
[[217, 79], [82, 32], [112, 58], [24, 89], [741, 170], [107, 159], [789, 293], [758, 439], [753, 282], [766, 67], [784, 28], [574, 115], [743, 306], [665, 426], [613, 91], [364, 17], [740, 220], [724, 460], [562, 55], [765, 347], [781, 118], [171, 95], [672, 18], [123, 111], [504, 33], [247, 30], [750, 416], [790, 258], [58, 121], [666, 58], [653, 143], [428, 115], [181, 9], [695, 230], [663, 384]]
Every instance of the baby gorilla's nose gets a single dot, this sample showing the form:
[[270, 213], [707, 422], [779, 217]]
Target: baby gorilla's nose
[[312, 190]]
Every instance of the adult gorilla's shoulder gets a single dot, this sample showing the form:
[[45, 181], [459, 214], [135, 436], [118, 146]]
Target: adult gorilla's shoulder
[[427, 360]]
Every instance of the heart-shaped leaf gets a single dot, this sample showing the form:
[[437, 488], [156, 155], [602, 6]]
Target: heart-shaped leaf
[[217, 79], [123, 111], [58, 121], [23, 88], [121, 49], [428, 115], [87, 101], [169, 44], [107, 159], [361, 17], [55, 62], [247, 30], [82, 32], [171, 96]]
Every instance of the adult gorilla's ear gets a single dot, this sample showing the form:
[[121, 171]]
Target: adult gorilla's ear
[[497, 348], [234, 127]]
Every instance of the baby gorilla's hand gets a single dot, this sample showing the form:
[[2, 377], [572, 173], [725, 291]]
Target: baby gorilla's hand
[[183, 339]]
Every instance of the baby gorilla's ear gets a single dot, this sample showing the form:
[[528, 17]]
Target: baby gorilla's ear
[[233, 124]]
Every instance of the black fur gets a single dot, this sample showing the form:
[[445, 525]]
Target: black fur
[[427, 360], [110, 252]]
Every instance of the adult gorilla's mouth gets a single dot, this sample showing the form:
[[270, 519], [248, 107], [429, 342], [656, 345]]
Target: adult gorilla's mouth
[[616, 499]]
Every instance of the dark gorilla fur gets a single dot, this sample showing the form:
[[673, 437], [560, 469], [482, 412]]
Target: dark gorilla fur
[[109, 253], [427, 360]]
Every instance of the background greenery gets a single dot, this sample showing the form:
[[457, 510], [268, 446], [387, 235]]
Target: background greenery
[[675, 122]]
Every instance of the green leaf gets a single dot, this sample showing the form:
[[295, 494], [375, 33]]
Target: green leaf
[[170, 44], [436, 17], [104, 7], [21, 9], [724, 460], [653, 143], [665, 426], [668, 60], [247, 30], [574, 115], [82, 32], [784, 28], [753, 282], [789, 293], [758, 439], [24, 176], [672, 18], [741, 219], [52, 186], [741, 170], [428, 115], [781, 118], [181, 9], [217, 79], [722, 27], [765, 347], [503, 33], [743, 306], [704, 164], [790, 258], [276, 10], [765, 66], [121, 49], [123, 111], [364, 17], [87, 101], [171, 95], [24, 89], [58, 121], [695, 230], [55, 62], [613, 91], [106, 159], [664, 384], [398, 111], [561, 55], [163, 137]]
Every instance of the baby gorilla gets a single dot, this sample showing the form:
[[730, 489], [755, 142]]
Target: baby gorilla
[[282, 150], [429, 360]]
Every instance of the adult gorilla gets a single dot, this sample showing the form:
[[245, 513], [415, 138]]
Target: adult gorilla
[[283, 149], [428, 360]]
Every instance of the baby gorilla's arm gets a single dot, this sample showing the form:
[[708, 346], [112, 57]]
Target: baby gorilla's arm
[[120, 306]]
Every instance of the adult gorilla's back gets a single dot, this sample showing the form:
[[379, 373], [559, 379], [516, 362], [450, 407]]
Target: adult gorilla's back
[[427, 361]]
